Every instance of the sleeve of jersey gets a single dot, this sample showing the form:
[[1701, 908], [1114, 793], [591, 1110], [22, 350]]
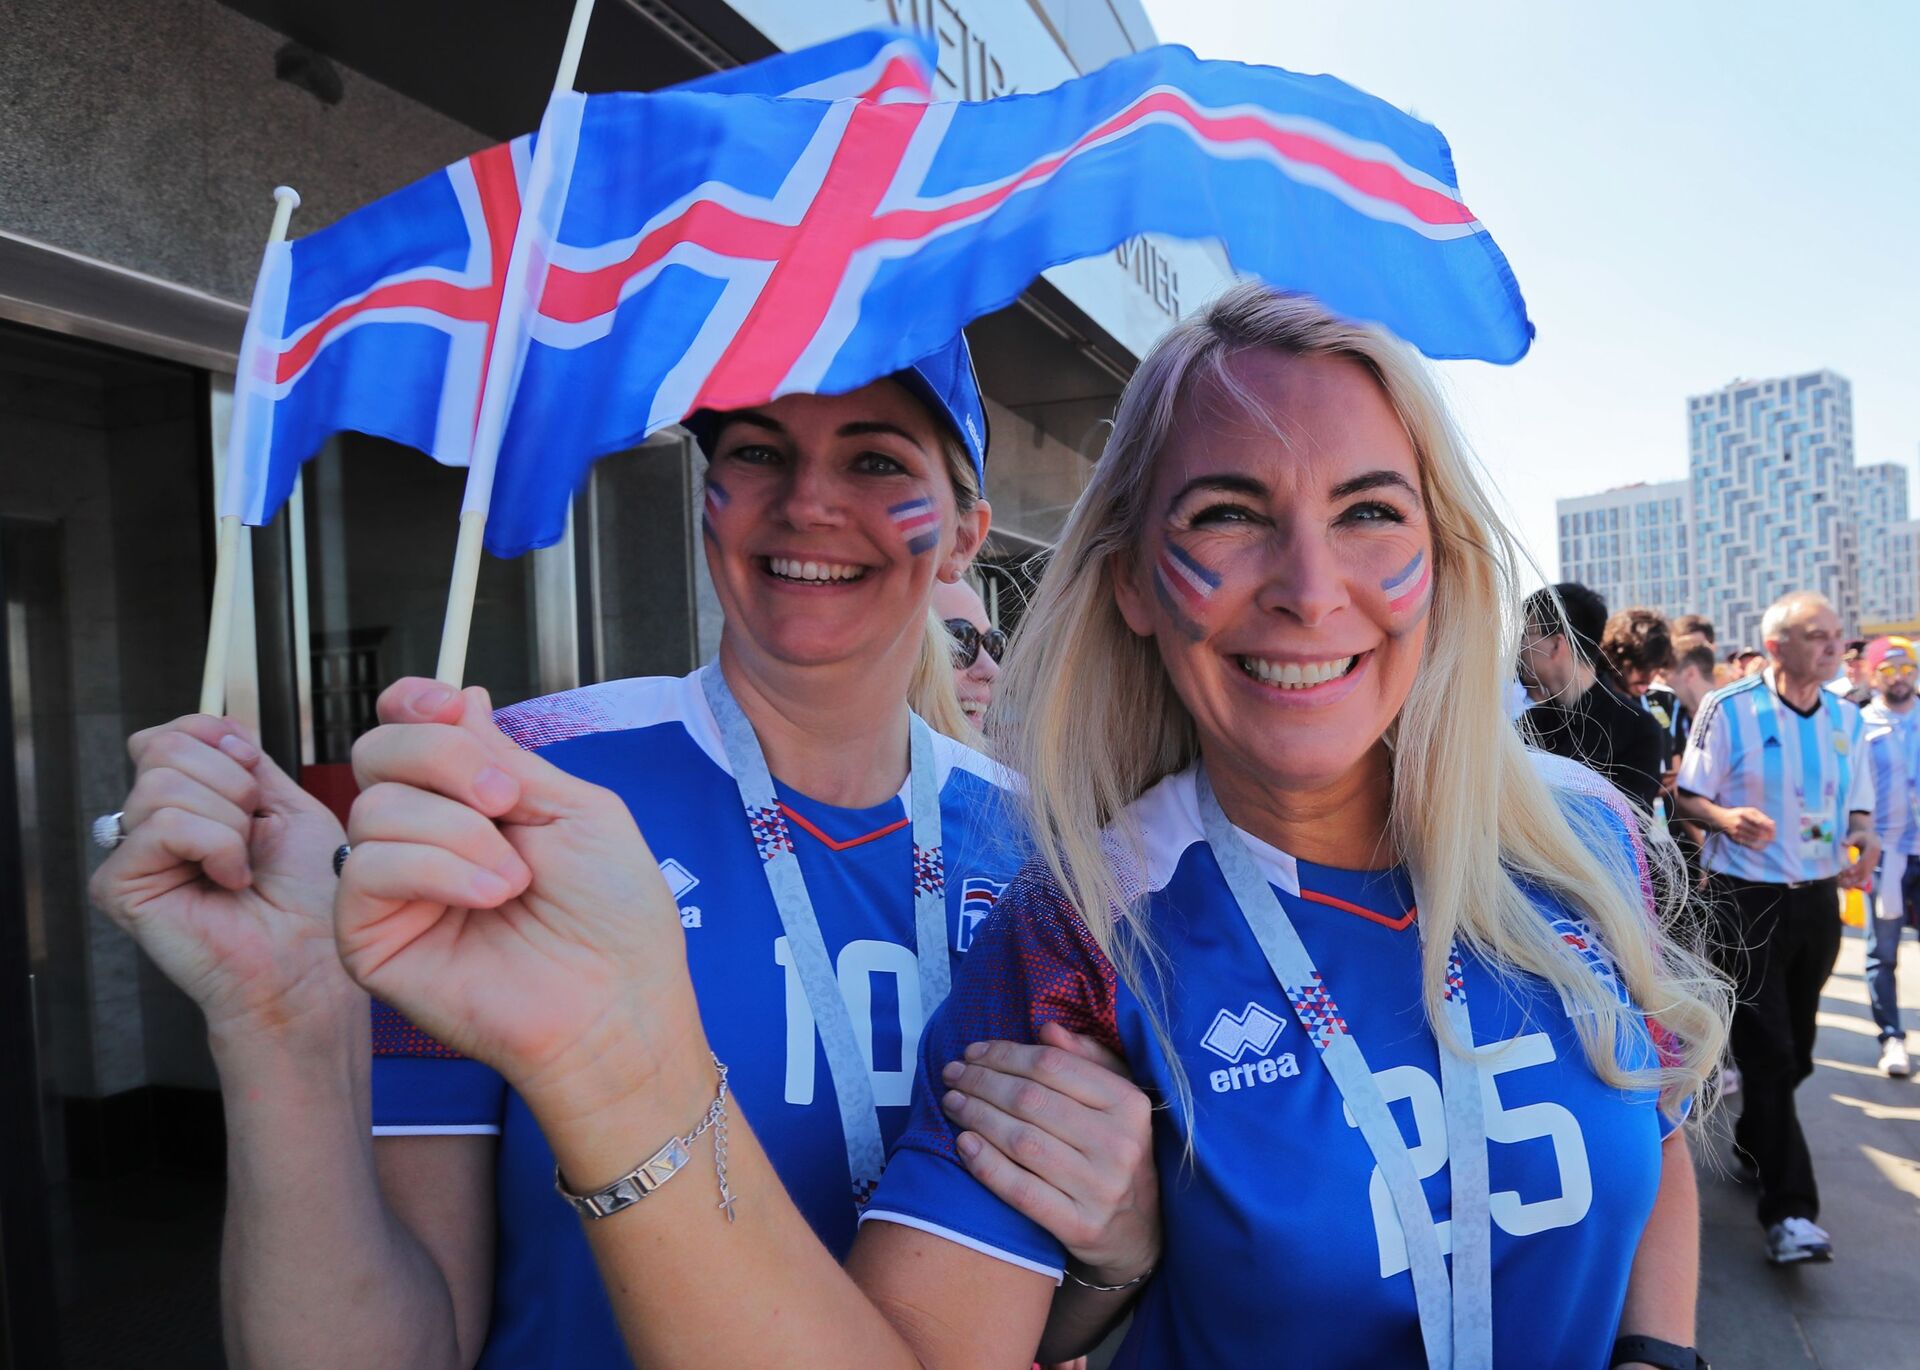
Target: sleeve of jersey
[[1863, 789], [1620, 827], [422, 1089], [1032, 962], [1703, 766]]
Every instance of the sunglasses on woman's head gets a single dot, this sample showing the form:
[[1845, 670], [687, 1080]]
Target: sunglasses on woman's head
[[968, 640]]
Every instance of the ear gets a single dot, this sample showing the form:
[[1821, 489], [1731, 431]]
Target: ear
[[969, 536], [1135, 603]]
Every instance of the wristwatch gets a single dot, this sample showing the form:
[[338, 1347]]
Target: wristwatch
[[1663, 1355]]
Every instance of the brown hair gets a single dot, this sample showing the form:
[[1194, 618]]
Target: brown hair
[[1637, 639]]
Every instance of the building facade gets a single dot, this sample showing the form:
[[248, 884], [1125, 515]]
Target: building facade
[[1631, 545], [1885, 576], [1775, 498], [135, 192]]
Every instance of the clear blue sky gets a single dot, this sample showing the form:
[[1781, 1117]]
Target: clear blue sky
[[1688, 193]]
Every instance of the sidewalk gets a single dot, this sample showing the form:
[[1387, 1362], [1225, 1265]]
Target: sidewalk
[[1862, 1312]]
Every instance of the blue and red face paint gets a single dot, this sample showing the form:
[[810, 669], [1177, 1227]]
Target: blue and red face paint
[[1408, 586], [919, 523]]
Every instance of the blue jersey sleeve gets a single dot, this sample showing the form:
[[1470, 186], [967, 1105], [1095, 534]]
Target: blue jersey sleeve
[[1613, 832], [421, 1089], [1033, 962]]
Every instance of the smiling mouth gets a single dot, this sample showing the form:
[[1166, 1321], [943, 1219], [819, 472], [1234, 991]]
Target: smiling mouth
[[796, 572], [1297, 675]]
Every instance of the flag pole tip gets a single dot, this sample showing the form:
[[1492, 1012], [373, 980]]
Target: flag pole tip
[[287, 194]]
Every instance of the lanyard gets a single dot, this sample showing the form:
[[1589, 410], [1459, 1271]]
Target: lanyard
[[847, 1061], [1456, 1319]]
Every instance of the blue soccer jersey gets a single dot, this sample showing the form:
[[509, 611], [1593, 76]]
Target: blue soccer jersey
[[655, 744], [1282, 1246]]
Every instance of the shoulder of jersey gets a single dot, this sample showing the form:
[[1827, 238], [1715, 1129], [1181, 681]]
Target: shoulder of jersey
[[950, 755], [615, 706], [1148, 840], [1565, 776], [1710, 706]]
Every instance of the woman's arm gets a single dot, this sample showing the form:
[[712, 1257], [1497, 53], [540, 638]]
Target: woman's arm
[[1664, 1283], [1059, 1132], [223, 879], [514, 913]]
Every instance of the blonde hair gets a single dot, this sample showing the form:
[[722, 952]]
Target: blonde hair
[[1094, 722], [932, 693]]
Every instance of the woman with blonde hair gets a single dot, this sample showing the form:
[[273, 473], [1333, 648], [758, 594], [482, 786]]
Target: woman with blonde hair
[[1394, 977]]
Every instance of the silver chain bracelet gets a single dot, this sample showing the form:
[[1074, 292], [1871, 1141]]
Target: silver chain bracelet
[[1110, 1288], [662, 1166]]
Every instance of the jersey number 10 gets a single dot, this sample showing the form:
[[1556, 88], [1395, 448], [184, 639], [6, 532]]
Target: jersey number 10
[[859, 962]]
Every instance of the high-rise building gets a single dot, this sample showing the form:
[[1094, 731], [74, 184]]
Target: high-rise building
[[1886, 576], [1630, 545], [1900, 611], [1775, 499]]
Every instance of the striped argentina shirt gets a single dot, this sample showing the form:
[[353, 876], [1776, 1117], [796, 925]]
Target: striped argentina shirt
[[1893, 741], [1750, 749]]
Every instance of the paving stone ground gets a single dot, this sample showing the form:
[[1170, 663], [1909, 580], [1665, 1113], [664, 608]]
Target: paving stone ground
[[1862, 1312]]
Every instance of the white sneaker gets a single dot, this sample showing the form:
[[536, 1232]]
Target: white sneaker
[[1894, 1059], [1792, 1240]]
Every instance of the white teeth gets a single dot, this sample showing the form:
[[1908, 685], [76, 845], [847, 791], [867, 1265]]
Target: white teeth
[[1294, 675], [789, 569]]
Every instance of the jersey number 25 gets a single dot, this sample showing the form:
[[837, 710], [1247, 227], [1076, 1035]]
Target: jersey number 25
[[1514, 1216]]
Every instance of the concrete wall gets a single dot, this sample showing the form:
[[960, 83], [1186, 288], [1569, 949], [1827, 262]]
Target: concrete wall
[[152, 134]]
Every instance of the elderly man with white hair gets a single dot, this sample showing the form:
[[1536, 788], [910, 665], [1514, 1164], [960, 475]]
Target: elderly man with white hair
[[1776, 769]]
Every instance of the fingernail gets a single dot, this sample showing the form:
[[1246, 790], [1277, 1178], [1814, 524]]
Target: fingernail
[[430, 700], [488, 887], [512, 870], [495, 788], [953, 1101], [967, 1144], [951, 1071], [976, 1051], [239, 748]]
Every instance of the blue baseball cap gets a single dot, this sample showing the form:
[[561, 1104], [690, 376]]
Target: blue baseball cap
[[944, 381]]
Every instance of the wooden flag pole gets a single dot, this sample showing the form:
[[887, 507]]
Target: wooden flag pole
[[233, 542], [458, 626]]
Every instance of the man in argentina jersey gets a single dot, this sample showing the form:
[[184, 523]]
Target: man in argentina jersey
[[1281, 1244], [655, 743], [1893, 741], [1776, 769]]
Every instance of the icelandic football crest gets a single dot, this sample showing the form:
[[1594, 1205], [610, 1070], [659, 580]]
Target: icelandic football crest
[[977, 898]]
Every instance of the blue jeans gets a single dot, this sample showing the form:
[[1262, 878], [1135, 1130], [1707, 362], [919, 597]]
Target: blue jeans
[[1882, 938]]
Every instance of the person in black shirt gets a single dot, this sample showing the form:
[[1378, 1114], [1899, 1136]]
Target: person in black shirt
[[1578, 713]]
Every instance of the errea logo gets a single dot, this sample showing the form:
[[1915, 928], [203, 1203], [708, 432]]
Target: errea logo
[[1232, 1036], [680, 883]]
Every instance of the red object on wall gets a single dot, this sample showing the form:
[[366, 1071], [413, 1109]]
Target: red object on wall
[[333, 785]]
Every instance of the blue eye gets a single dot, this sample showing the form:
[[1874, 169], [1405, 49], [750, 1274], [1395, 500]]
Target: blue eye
[[1372, 511], [755, 453], [879, 463], [1221, 513]]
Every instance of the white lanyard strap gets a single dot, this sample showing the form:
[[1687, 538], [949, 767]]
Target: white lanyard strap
[[847, 1061], [1456, 1320]]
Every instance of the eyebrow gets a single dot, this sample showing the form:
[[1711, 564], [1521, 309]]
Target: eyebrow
[[858, 428], [1374, 480], [1227, 484]]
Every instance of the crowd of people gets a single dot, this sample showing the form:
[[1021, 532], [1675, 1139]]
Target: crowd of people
[[1264, 985], [1785, 775]]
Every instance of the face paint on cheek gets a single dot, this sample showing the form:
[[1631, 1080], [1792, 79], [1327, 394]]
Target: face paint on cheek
[[1407, 588], [717, 500], [1184, 588], [919, 524]]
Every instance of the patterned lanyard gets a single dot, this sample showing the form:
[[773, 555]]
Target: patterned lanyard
[[846, 1060], [1456, 1319]]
